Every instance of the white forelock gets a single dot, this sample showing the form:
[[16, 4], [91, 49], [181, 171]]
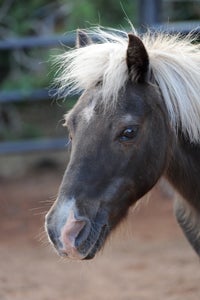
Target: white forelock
[[174, 62]]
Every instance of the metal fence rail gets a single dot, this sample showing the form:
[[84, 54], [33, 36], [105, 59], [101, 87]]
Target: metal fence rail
[[33, 145], [36, 42], [28, 96]]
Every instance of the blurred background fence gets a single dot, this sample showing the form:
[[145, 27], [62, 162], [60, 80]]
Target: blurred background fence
[[26, 108]]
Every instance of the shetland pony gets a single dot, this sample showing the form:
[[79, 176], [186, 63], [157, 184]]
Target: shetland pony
[[138, 119]]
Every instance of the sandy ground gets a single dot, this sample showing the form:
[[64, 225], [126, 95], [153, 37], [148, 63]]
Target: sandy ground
[[148, 258]]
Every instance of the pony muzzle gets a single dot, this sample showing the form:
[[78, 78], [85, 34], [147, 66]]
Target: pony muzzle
[[76, 236]]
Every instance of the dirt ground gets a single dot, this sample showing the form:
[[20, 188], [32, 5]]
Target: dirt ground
[[147, 258]]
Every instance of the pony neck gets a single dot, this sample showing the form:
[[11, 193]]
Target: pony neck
[[184, 169]]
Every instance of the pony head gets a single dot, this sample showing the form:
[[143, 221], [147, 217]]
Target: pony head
[[121, 133]]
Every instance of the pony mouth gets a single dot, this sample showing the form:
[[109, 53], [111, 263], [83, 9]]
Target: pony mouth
[[87, 248], [93, 244]]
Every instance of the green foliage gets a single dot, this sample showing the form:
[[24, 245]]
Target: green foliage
[[64, 15], [181, 10], [104, 12], [25, 82], [27, 131], [24, 16]]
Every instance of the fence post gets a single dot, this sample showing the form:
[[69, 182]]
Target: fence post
[[149, 12]]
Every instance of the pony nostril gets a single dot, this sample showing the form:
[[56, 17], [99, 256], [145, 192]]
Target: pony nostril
[[70, 231]]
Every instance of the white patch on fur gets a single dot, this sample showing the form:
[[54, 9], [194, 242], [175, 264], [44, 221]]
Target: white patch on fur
[[64, 207], [174, 62], [88, 112], [60, 210], [127, 118]]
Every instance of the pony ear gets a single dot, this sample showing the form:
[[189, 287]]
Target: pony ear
[[137, 59], [82, 39]]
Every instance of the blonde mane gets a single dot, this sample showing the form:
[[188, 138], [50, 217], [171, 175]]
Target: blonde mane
[[174, 63]]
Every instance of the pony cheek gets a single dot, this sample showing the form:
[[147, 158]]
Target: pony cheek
[[120, 204]]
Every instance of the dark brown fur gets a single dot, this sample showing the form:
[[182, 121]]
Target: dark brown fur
[[118, 156]]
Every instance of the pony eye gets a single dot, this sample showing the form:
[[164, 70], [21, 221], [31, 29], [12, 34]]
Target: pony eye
[[128, 134]]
